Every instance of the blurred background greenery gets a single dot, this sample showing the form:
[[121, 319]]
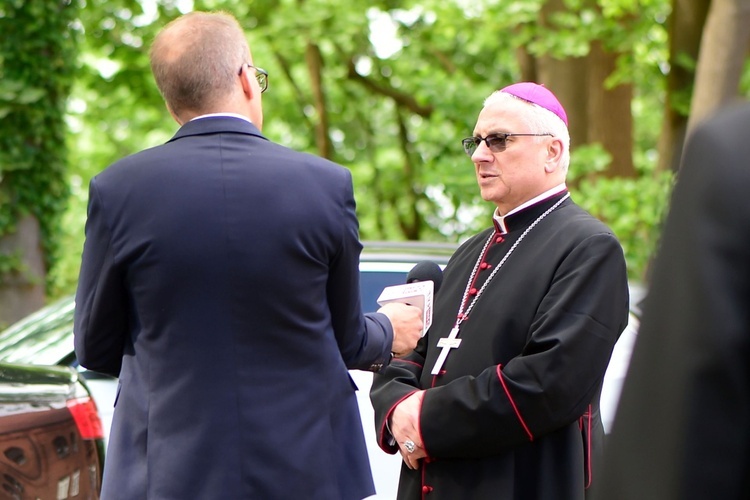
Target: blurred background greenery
[[384, 88]]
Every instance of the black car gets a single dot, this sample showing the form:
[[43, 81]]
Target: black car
[[51, 440]]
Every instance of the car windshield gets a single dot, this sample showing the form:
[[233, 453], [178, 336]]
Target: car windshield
[[44, 337]]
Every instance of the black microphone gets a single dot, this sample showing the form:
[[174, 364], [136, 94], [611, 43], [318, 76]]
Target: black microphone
[[426, 270]]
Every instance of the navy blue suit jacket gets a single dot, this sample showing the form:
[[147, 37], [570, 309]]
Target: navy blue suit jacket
[[220, 282]]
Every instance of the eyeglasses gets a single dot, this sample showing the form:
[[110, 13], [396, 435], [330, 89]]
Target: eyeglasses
[[496, 142], [260, 74]]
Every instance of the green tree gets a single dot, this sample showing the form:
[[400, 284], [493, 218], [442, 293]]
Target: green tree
[[723, 55], [388, 89], [115, 108], [37, 53]]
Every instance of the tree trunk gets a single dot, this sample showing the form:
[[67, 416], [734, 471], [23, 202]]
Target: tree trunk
[[315, 70], [410, 220], [22, 291], [527, 65], [610, 119], [685, 30], [721, 59], [567, 80]]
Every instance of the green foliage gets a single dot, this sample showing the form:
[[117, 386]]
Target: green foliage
[[587, 160], [37, 53], [10, 264], [115, 109], [745, 80], [403, 82], [632, 207]]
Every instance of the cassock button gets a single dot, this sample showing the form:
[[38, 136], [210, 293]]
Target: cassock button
[[499, 239], [484, 265], [426, 489], [473, 291]]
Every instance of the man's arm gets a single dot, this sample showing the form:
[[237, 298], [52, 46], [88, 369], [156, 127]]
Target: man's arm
[[395, 383], [365, 341], [399, 325], [100, 319]]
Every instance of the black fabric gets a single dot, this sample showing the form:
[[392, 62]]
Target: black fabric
[[682, 430], [504, 419]]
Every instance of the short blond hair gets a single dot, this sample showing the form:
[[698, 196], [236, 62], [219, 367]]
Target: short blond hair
[[196, 58]]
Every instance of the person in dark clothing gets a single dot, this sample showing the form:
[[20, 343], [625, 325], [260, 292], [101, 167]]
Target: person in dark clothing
[[220, 283], [501, 397], [682, 428]]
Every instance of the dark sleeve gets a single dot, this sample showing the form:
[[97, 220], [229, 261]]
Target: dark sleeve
[[554, 379], [392, 385], [365, 341], [682, 430], [101, 318]]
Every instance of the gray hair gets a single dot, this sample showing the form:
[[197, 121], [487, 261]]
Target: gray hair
[[539, 121], [196, 58]]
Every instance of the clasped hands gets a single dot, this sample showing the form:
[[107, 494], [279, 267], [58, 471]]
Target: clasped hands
[[404, 426]]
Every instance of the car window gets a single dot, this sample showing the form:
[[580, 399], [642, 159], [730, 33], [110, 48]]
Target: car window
[[371, 284], [43, 338]]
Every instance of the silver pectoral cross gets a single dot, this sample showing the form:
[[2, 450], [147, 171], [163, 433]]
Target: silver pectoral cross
[[447, 343]]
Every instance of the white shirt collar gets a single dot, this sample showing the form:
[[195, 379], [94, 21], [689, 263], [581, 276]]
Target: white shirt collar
[[500, 219], [233, 115]]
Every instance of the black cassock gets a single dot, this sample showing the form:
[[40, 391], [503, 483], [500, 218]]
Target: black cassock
[[514, 412]]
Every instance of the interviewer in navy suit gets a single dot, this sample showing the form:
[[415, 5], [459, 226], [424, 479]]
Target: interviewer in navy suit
[[219, 282]]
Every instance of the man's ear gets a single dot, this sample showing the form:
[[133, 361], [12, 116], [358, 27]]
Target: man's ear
[[247, 88], [554, 154]]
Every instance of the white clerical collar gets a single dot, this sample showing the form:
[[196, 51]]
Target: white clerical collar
[[500, 219], [213, 115]]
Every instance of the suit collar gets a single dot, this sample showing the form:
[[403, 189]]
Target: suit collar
[[216, 125]]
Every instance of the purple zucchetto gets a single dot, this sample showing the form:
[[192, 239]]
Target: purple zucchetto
[[539, 95]]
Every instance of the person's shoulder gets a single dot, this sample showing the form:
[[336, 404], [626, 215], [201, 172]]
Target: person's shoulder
[[714, 169], [575, 220], [310, 163], [121, 166], [729, 117], [578, 229], [126, 166], [722, 136], [297, 157], [723, 133], [319, 161]]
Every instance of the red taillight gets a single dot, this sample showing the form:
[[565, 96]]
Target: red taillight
[[86, 418]]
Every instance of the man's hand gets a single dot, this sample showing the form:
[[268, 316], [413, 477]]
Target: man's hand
[[404, 427], [407, 326]]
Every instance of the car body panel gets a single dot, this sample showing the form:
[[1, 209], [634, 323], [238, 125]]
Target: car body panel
[[43, 452]]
